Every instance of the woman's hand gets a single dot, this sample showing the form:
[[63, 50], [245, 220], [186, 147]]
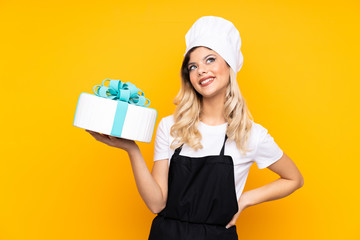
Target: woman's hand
[[122, 143], [242, 205]]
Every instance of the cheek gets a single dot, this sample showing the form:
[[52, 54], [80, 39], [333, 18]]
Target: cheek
[[192, 79], [221, 69]]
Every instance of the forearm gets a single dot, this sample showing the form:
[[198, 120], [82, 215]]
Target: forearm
[[148, 188], [275, 190]]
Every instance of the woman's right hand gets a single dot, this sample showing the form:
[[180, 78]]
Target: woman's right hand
[[112, 141]]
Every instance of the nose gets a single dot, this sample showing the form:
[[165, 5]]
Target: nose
[[201, 69]]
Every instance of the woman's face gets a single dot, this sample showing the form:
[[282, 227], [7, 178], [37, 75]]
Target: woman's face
[[209, 73]]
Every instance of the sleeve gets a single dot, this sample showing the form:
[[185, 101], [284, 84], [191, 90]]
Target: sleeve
[[267, 151], [161, 150]]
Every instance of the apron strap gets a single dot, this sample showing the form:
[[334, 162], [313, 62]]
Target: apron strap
[[177, 151], [223, 147]]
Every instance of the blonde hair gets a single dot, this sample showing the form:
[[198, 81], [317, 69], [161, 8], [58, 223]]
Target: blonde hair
[[188, 110]]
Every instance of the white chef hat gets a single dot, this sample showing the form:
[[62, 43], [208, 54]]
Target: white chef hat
[[218, 34]]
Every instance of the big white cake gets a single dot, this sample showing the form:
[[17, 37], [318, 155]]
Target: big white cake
[[115, 118]]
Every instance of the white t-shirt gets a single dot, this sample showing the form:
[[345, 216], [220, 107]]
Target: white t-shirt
[[264, 149]]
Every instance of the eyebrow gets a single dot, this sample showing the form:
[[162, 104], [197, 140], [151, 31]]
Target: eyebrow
[[203, 59]]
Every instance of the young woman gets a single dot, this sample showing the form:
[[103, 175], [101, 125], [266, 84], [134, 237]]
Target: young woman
[[203, 152]]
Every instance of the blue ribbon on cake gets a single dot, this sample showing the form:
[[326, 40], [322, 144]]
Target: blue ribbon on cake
[[125, 94], [120, 91]]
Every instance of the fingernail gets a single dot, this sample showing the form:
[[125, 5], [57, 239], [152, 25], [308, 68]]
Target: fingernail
[[227, 227]]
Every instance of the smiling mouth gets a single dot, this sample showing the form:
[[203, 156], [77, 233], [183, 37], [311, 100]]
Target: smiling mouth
[[207, 81]]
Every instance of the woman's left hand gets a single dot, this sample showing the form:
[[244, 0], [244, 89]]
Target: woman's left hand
[[242, 205]]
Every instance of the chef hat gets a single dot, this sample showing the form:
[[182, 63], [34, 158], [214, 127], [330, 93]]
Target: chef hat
[[218, 34]]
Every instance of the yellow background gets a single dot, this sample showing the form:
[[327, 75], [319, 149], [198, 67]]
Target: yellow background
[[300, 80]]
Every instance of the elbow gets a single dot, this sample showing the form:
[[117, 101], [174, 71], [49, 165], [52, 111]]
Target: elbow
[[156, 210], [301, 182]]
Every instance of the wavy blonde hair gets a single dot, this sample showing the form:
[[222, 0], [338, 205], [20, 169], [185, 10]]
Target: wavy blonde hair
[[188, 109]]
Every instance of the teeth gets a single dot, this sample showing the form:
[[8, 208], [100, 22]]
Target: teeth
[[207, 80]]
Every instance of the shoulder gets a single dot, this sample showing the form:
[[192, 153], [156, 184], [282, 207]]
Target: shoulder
[[164, 125], [263, 140], [258, 130], [258, 134], [163, 139], [167, 121]]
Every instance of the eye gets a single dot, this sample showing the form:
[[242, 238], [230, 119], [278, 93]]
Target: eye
[[210, 58], [190, 68]]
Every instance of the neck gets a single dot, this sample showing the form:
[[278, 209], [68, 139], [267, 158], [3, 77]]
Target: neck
[[213, 110]]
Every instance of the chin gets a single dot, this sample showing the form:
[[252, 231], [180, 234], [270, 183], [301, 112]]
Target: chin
[[208, 95], [213, 94]]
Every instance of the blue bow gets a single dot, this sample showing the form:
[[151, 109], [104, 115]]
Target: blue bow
[[120, 91]]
